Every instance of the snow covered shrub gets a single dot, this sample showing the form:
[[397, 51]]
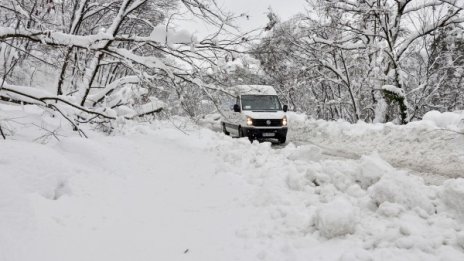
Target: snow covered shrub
[[336, 218], [453, 195]]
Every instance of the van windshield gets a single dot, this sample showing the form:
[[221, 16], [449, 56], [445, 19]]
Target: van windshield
[[260, 103]]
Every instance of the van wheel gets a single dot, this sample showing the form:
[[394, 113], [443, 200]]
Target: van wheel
[[224, 129], [242, 134], [282, 139]]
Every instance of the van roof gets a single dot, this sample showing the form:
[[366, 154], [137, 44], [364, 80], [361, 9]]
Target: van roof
[[254, 90]]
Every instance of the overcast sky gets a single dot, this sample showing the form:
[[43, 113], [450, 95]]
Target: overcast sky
[[256, 9]]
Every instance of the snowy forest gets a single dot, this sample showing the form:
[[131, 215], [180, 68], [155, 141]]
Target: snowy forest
[[329, 130], [96, 61], [369, 60]]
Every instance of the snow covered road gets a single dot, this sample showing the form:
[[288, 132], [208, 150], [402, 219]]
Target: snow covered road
[[432, 149], [155, 193], [430, 177]]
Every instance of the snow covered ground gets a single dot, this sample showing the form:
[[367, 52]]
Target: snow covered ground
[[154, 192], [432, 147]]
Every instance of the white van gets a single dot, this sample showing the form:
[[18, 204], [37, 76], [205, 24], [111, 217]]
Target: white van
[[256, 114]]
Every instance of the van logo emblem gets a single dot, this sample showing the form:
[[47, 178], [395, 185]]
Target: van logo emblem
[[268, 122]]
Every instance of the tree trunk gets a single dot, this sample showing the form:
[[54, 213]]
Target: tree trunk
[[59, 87]]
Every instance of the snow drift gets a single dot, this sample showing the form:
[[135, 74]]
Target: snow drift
[[432, 146]]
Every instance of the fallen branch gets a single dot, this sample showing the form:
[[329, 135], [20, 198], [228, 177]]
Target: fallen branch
[[44, 101], [157, 110], [50, 133], [1, 133], [76, 128]]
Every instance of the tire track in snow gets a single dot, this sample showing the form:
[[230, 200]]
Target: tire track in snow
[[430, 176]]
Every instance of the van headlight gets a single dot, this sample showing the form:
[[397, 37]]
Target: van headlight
[[249, 121], [284, 121]]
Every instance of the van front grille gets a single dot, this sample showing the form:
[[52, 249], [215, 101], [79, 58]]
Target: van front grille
[[267, 123]]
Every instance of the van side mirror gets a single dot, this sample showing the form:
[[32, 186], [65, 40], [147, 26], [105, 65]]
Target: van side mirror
[[285, 108], [236, 108]]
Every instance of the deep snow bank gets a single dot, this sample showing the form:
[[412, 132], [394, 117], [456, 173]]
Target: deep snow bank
[[433, 145], [153, 192]]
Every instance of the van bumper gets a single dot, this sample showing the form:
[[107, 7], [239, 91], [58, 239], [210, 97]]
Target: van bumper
[[256, 133]]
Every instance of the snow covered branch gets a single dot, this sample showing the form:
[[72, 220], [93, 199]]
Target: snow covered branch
[[26, 95]]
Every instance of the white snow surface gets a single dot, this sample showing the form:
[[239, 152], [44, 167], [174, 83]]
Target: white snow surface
[[432, 146], [453, 121], [153, 192], [336, 218]]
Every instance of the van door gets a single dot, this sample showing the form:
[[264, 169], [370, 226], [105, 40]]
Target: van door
[[232, 120]]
